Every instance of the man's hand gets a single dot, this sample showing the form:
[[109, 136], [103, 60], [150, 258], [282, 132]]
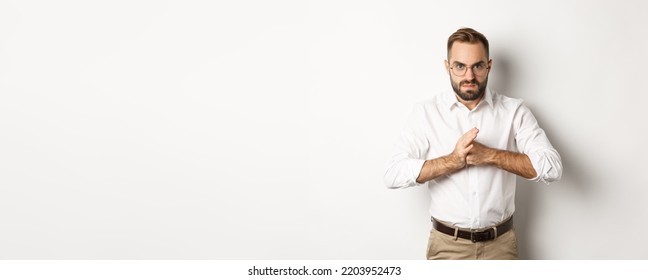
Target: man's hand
[[463, 147], [480, 154], [433, 168]]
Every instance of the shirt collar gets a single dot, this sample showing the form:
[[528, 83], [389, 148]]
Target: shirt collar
[[450, 99]]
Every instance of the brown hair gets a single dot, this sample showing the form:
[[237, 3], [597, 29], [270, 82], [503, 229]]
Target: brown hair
[[468, 35]]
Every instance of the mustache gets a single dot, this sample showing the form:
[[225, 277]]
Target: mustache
[[471, 82]]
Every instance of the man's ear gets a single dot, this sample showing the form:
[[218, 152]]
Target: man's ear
[[447, 66]]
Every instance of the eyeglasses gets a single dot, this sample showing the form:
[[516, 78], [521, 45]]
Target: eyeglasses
[[478, 69]]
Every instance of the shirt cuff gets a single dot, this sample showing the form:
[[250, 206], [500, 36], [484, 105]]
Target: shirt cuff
[[415, 168], [548, 168]]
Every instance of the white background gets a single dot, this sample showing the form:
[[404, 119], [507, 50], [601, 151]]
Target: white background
[[261, 129]]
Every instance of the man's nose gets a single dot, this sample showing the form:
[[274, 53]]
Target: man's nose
[[469, 74]]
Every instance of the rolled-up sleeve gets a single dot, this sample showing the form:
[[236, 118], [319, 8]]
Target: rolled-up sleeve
[[407, 159], [532, 141]]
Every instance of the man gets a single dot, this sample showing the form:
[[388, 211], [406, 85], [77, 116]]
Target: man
[[467, 145]]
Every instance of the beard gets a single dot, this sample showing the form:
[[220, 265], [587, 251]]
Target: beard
[[470, 95]]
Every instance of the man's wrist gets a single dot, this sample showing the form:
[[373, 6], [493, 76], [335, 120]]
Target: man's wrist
[[493, 156], [455, 162]]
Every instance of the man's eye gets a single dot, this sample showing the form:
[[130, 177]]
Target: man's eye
[[460, 66], [478, 66]]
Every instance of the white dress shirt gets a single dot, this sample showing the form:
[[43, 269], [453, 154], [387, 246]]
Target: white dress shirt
[[476, 196]]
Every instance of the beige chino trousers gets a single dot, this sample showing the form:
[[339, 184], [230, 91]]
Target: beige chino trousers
[[445, 247]]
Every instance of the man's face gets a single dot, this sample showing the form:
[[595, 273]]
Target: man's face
[[469, 86]]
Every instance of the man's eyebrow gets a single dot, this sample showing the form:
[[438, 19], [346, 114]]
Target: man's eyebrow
[[459, 62]]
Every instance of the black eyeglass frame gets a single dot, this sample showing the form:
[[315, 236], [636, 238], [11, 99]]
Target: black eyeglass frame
[[472, 67]]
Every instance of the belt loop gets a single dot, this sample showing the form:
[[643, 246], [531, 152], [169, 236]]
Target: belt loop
[[495, 230], [455, 234]]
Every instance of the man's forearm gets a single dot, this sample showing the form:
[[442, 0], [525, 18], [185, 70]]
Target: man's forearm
[[437, 167], [516, 163]]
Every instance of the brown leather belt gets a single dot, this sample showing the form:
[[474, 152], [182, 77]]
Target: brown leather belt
[[475, 236]]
